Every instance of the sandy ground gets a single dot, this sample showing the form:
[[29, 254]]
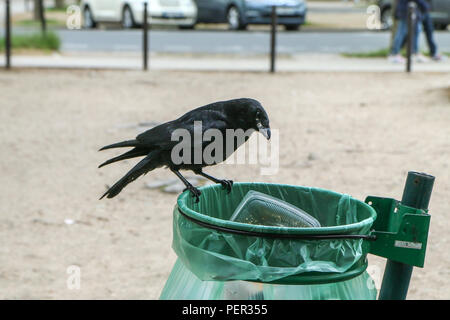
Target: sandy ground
[[354, 133]]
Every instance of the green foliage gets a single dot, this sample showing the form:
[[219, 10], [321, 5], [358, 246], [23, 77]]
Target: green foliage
[[50, 41], [381, 53], [37, 23]]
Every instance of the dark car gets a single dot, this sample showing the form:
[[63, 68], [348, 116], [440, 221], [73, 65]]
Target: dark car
[[240, 13], [440, 12]]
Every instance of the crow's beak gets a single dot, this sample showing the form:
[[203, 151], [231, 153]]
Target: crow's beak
[[265, 132]]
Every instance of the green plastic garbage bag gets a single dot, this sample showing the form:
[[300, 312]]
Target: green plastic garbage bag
[[183, 284], [299, 263]]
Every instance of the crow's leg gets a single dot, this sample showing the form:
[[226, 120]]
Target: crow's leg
[[195, 192], [226, 184]]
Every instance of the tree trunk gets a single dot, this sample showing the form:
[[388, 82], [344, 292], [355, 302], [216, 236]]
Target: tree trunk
[[39, 14], [59, 4], [36, 12]]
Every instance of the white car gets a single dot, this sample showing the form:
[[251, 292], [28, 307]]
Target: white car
[[129, 13]]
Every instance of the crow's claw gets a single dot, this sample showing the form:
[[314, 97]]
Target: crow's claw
[[227, 184], [195, 193]]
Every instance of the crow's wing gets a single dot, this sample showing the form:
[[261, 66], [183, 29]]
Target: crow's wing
[[161, 136], [157, 137]]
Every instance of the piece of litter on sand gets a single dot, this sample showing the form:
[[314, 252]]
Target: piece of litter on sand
[[178, 186], [69, 221], [174, 188], [160, 183], [150, 124], [175, 185]]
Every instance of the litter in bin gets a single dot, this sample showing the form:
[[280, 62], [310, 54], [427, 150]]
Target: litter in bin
[[261, 209]]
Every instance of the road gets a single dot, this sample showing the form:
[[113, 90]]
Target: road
[[226, 42]]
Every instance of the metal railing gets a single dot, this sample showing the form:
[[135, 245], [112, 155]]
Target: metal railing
[[412, 17], [412, 20]]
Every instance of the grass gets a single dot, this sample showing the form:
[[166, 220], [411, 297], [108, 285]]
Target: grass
[[380, 53], [38, 41], [37, 23]]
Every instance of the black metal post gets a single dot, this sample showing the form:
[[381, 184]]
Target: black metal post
[[417, 194], [411, 31], [273, 38], [145, 38], [8, 34], [42, 17]]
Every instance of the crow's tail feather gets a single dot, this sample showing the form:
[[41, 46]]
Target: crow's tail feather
[[139, 169], [123, 144], [136, 152]]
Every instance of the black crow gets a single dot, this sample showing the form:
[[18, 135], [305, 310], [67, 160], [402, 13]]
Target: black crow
[[238, 115]]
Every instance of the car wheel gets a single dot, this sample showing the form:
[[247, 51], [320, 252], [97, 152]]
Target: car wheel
[[387, 20], [127, 18], [88, 19], [187, 26], [234, 19], [440, 26], [292, 27]]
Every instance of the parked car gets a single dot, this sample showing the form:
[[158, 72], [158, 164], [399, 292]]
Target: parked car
[[129, 13], [440, 12], [240, 13]]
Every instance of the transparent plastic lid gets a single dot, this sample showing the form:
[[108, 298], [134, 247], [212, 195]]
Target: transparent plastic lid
[[261, 209]]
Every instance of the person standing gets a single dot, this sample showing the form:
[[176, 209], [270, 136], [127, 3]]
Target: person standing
[[394, 24], [401, 14], [427, 23]]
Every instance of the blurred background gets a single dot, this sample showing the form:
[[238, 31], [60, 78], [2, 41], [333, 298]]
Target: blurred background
[[312, 34], [349, 120]]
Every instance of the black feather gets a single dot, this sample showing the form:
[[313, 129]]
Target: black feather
[[139, 169], [136, 152], [123, 144]]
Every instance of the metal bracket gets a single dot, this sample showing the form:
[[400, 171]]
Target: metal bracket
[[401, 231]]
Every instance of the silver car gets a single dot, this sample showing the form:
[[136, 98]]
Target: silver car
[[129, 13]]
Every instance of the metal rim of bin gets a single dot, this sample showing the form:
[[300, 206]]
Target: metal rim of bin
[[329, 236], [270, 230], [323, 233]]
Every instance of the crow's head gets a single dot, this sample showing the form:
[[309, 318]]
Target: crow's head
[[252, 115]]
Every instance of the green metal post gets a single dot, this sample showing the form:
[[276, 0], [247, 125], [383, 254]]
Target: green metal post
[[417, 194]]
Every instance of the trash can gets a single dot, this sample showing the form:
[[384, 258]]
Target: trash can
[[223, 259]]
